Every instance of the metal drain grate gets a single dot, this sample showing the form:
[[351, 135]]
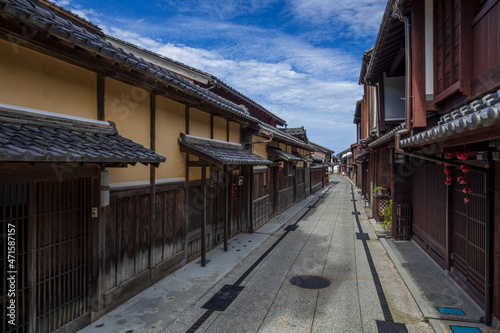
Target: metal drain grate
[[223, 298], [310, 282]]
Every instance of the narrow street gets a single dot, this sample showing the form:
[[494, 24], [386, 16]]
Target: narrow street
[[332, 239]]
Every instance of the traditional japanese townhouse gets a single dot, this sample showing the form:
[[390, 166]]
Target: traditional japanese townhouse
[[451, 60], [105, 161], [272, 190]]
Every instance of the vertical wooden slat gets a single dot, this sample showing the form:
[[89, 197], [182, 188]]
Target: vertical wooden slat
[[226, 219], [152, 183], [204, 215]]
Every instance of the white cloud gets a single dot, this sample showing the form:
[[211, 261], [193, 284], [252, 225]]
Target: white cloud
[[324, 105], [361, 17]]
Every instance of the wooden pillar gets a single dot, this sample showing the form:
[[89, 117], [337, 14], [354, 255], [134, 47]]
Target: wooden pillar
[[204, 216], [100, 97], [226, 219], [32, 235], [186, 192], [152, 181]]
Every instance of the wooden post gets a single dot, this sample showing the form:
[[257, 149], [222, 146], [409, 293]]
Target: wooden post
[[226, 219], [186, 193], [100, 97], [32, 235], [152, 182], [204, 216]]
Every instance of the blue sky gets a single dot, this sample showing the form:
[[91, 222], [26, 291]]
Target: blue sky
[[300, 59]]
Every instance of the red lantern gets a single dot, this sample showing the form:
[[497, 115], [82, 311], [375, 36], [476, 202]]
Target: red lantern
[[466, 190], [448, 182], [449, 178], [449, 156], [462, 156], [447, 171], [465, 168], [466, 200]]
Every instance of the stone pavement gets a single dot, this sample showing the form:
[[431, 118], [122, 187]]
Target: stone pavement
[[375, 285]]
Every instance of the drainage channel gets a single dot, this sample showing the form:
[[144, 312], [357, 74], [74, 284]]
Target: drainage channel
[[224, 297], [383, 326]]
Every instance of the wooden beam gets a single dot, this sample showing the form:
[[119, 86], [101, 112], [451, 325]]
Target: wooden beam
[[199, 163], [189, 150], [227, 130], [397, 60]]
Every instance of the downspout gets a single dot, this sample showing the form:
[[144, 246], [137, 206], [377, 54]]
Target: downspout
[[408, 101]]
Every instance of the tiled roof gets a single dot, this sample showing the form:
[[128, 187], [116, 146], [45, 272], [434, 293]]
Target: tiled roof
[[294, 130], [483, 112], [220, 152], [282, 136], [386, 137], [32, 136], [283, 155], [321, 148], [27, 11], [302, 157]]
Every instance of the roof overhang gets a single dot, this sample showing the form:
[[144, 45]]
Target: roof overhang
[[469, 119], [28, 135], [302, 157], [278, 154], [219, 153]]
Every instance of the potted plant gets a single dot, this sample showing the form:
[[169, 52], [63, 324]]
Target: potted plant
[[379, 190], [387, 212]]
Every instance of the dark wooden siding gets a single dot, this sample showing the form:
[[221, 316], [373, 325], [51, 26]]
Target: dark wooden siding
[[447, 44], [469, 234], [134, 245], [285, 199], [496, 244], [429, 208], [316, 179], [486, 49]]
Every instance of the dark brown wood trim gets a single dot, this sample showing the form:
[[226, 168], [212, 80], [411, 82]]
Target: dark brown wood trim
[[118, 193], [447, 93], [211, 125], [186, 121], [199, 163], [418, 65], [204, 216], [381, 106], [101, 115], [430, 106], [227, 130], [53, 171], [32, 236], [97, 245], [465, 47], [483, 12], [200, 155], [169, 186], [152, 177]]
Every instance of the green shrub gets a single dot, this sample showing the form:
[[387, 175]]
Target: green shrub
[[387, 212]]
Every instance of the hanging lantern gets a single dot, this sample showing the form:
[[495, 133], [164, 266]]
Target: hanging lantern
[[465, 168], [462, 156], [449, 156]]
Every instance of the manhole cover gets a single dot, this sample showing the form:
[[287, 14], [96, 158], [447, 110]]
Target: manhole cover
[[310, 282]]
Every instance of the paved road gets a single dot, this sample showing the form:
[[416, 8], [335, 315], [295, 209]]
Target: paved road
[[333, 240]]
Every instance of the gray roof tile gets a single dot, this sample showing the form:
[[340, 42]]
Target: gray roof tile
[[33, 137], [26, 10], [226, 153], [480, 113]]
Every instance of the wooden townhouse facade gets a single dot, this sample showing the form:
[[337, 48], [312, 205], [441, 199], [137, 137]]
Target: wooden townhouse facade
[[115, 170], [428, 129]]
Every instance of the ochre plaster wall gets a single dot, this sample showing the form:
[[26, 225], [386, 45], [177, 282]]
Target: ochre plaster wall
[[170, 123], [34, 80], [128, 107], [220, 132], [259, 148], [234, 132]]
